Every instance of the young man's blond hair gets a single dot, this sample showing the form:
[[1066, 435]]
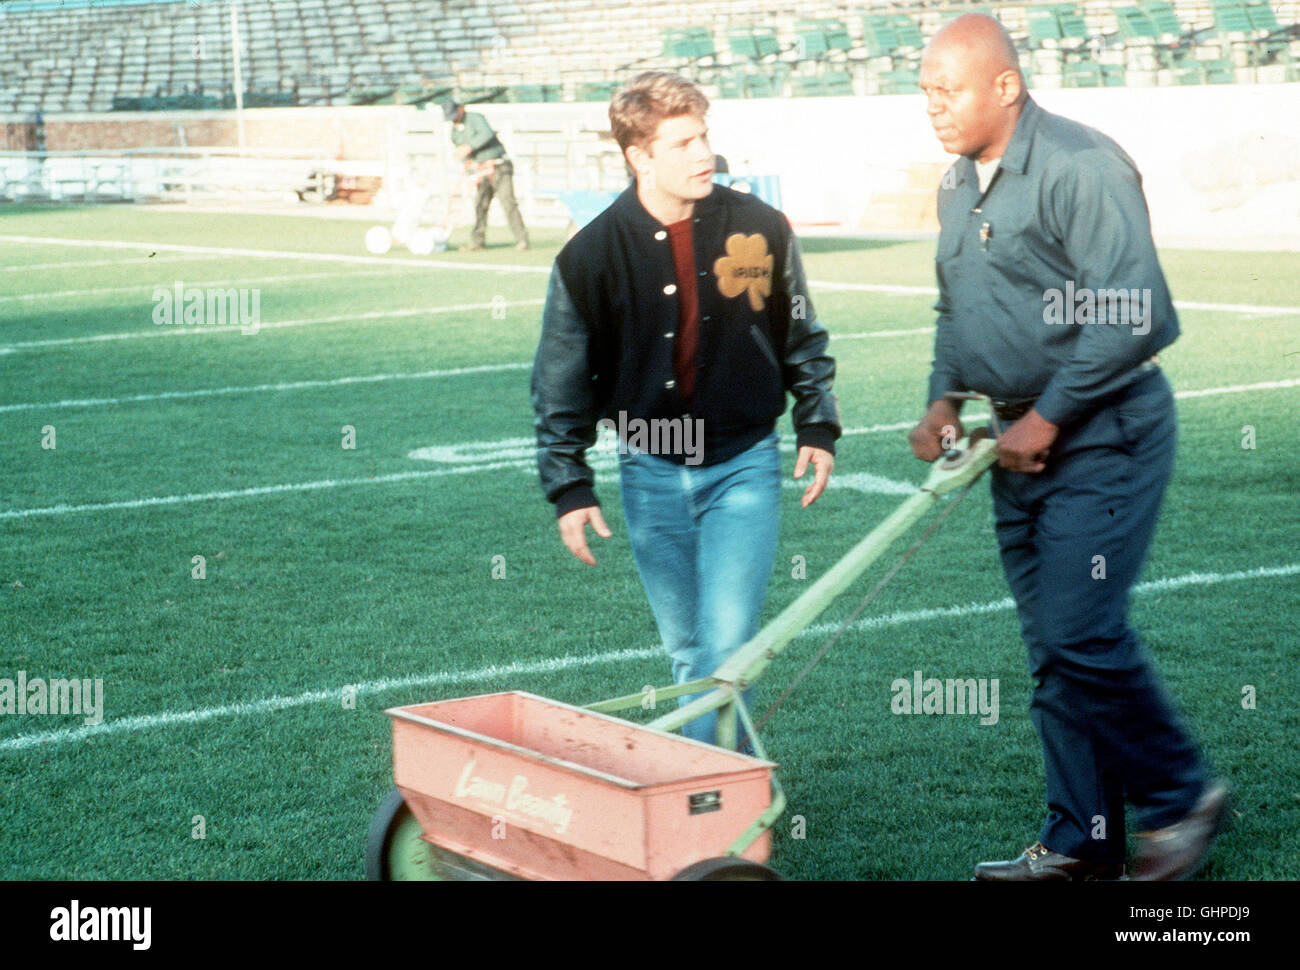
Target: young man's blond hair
[[637, 109]]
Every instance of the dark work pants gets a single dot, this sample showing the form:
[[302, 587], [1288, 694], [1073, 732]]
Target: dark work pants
[[1109, 731], [502, 184]]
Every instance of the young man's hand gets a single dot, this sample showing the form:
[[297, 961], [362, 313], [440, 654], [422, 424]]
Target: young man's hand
[[573, 531], [1024, 446], [822, 461], [938, 431]]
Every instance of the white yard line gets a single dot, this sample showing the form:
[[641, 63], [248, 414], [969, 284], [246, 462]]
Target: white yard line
[[259, 388], [427, 263], [1239, 388], [269, 705], [418, 262], [161, 331], [1247, 308], [82, 264], [476, 456], [141, 288], [325, 483]]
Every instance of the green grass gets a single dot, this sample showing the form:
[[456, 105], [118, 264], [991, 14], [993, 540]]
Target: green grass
[[315, 590]]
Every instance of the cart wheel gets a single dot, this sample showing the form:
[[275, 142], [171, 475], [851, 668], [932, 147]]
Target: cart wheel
[[394, 849], [727, 869], [396, 852]]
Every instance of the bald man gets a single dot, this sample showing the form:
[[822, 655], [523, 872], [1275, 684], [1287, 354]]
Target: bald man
[[1052, 304]]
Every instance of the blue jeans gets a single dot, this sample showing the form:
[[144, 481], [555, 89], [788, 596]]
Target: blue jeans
[[704, 540]]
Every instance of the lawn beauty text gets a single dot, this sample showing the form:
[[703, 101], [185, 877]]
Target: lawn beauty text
[[57, 696]]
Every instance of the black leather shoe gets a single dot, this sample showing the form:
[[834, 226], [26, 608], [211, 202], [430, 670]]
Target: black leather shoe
[[1038, 863], [1177, 851]]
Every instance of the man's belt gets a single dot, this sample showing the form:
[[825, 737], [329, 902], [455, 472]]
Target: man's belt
[[1009, 409]]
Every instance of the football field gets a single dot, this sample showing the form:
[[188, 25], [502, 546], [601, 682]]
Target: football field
[[259, 534]]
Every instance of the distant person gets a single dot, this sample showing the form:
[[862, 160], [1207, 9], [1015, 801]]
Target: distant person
[[484, 155]]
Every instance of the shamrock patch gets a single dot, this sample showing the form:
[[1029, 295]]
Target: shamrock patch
[[747, 266]]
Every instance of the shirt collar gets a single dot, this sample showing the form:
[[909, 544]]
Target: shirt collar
[[1016, 156]]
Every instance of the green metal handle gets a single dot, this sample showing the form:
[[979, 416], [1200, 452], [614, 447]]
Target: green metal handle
[[960, 467]]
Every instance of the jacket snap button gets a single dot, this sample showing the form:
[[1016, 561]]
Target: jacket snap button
[[669, 335], [670, 289], [669, 383], [661, 235]]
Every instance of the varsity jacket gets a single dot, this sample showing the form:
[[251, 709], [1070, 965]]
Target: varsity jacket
[[610, 322]]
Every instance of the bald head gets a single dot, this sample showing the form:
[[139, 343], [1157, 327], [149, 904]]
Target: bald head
[[970, 74], [980, 41]]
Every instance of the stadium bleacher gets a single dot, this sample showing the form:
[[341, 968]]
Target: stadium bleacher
[[101, 55]]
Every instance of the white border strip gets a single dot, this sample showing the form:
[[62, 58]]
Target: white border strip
[[284, 702]]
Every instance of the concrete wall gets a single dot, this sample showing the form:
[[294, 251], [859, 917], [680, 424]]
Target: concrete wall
[[1221, 164]]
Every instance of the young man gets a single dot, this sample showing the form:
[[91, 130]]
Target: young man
[[484, 155], [1041, 211], [680, 315]]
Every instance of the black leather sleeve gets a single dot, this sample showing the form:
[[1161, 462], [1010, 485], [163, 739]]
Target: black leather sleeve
[[564, 402], [808, 369]]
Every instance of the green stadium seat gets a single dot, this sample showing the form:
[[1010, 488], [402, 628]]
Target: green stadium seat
[[1220, 71], [1164, 18], [816, 39], [1082, 74], [908, 32], [1230, 18], [838, 84], [1044, 28], [810, 40], [902, 81], [597, 90], [1073, 28], [879, 36], [760, 86], [731, 86], [688, 43], [1134, 25], [807, 86], [753, 43], [1262, 17], [527, 94]]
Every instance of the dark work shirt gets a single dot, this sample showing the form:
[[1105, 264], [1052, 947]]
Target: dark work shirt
[[479, 136], [1049, 285]]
